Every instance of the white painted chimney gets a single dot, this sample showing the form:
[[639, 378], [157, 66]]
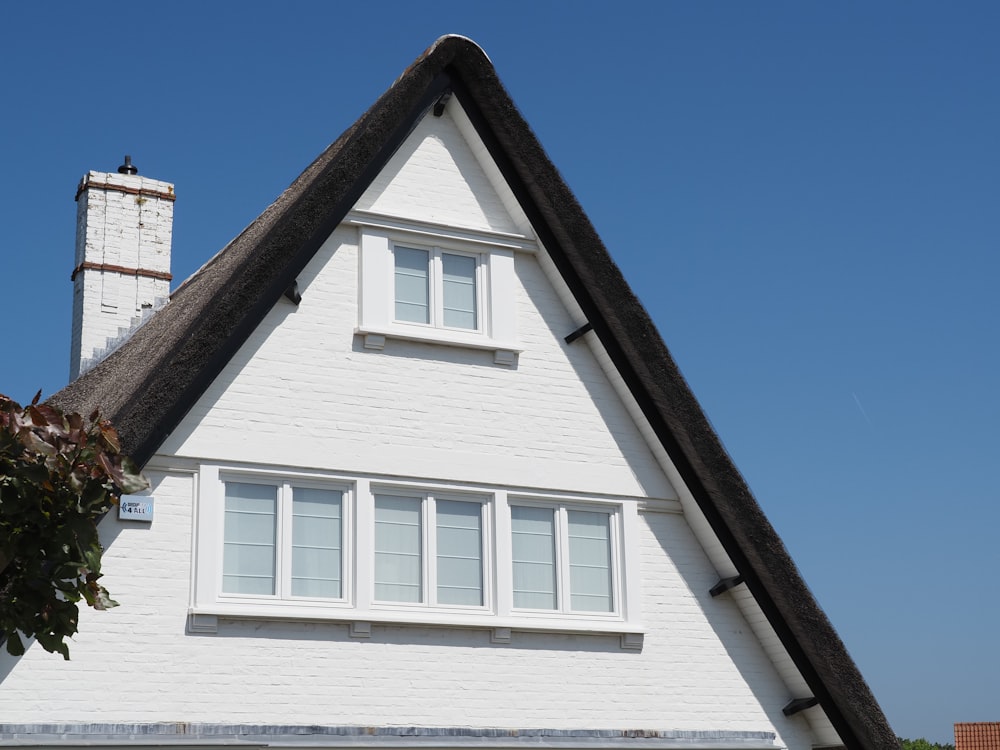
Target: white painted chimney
[[124, 224]]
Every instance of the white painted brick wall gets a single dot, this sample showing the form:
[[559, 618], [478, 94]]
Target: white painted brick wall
[[437, 154], [304, 392], [120, 229], [418, 409], [700, 667]]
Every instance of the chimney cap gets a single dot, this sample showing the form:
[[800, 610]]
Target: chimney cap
[[127, 167]]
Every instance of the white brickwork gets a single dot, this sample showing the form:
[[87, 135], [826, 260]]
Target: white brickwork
[[463, 194], [124, 221], [304, 392], [700, 667], [310, 395]]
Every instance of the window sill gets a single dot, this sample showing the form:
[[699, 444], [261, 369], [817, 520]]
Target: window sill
[[205, 620], [505, 352]]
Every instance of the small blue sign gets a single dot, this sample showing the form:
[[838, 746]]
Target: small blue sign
[[135, 508]]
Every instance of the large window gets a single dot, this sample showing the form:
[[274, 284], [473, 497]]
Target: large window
[[428, 550], [562, 558], [277, 544], [282, 540]]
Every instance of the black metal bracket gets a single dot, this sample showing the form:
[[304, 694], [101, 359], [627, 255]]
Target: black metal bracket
[[799, 704], [725, 584], [441, 103], [293, 292], [579, 332]]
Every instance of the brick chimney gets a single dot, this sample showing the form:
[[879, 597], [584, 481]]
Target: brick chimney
[[124, 224]]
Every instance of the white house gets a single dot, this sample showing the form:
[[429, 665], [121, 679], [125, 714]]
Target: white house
[[424, 475]]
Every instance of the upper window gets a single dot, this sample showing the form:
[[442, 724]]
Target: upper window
[[562, 558], [442, 290], [436, 288]]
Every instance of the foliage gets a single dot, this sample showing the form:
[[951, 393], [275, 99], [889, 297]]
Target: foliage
[[922, 744], [59, 474]]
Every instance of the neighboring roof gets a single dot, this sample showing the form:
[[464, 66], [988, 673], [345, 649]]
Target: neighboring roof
[[979, 735], [147, 386]]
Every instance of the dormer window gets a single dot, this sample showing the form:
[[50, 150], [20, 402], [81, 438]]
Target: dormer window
[[436, 286]]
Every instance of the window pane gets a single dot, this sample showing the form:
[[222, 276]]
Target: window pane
[[397, 549], [459, 552], [459, 290], [534, 556], [317, 542], [248, 538], [590, 561], [412, 296]]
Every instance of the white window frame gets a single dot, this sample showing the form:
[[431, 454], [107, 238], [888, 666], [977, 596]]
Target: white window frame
[[358, 604], [428, 527], [284, 484], [435, 277], [495, 290], [561, 511]]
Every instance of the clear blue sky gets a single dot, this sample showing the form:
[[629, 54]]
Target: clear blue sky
[[805, 195]]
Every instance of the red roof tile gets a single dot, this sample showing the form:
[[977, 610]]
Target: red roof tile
[[980, 735]]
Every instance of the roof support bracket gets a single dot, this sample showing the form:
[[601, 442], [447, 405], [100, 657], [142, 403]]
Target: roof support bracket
[[725, 584], [799, 704], [579, 332], [292, 292], [441, 103]]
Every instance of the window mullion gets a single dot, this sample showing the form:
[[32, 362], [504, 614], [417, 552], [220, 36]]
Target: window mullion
[[430, 547], [562, 560], [363, 535], [489, 552], [482, 285], [504, 554], [617, 584], [629, 598], [283, 575], [437, 289]]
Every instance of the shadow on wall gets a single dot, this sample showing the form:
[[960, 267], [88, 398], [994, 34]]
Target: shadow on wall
[[687, 603], [409, 635]]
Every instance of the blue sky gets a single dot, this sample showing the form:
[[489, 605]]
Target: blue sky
[[805, 196]]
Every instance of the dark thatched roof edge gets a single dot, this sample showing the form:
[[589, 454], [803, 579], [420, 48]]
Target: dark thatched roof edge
[[148, 385]]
